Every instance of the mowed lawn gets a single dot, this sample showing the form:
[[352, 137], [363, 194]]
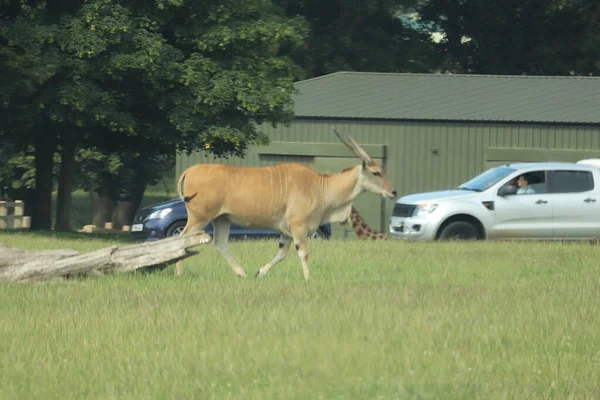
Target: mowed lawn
[[377, 320]]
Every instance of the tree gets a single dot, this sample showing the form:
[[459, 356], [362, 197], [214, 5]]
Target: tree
[[117, 181], [27, 66], [509, 36], [177, 74], [589, 14], [359, 35]]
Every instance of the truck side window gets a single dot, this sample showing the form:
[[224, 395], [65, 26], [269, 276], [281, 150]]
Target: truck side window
[[535, 183], [572, 181]]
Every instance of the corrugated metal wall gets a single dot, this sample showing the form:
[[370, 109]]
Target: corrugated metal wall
[[424, 156]]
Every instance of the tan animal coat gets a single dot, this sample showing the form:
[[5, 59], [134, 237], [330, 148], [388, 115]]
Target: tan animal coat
[[290, 198]]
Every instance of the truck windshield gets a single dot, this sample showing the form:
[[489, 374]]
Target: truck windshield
[[486, 179]]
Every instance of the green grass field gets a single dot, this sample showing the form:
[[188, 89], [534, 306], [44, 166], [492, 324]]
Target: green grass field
[[377, 320]]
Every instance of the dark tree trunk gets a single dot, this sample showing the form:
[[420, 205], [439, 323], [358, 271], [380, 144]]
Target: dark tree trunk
[[65, 187], [102, 206], [28, 197], [41, 213], [127, 207]]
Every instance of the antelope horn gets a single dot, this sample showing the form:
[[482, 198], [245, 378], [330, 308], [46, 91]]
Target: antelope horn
[[352, 145]]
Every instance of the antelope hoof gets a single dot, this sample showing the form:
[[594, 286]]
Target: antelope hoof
[[178, 268], [260, 273], [205, 239], [240, 272]]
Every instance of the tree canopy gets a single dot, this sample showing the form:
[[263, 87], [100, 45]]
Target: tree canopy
[[101, 94], [144, 78], [537, 37]]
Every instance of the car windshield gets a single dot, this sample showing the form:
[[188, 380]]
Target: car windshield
[[486, 179]]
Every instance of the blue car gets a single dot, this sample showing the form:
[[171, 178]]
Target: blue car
[[168, 218]]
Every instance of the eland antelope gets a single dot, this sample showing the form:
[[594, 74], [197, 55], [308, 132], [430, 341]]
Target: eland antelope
[[290, 198]]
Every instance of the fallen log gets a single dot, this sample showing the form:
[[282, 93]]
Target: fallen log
[[27, 265]]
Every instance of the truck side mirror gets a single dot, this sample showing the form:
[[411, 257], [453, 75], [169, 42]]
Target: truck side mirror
[[507, 190]]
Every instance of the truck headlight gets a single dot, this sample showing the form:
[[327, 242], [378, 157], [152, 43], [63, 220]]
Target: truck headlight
[[160, 214], [424, 209]]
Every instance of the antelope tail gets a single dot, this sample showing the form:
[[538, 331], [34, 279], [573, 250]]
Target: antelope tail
[[180, 188]]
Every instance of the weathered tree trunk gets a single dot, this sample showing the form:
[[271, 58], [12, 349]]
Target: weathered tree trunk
[[21, 265], [65, 187], [127, 206], [102, 206], [41, 213]]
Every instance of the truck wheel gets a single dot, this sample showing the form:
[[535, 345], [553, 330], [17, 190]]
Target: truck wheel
[[459, 230]]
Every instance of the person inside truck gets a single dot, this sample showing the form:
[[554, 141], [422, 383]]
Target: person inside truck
[[523, 183]]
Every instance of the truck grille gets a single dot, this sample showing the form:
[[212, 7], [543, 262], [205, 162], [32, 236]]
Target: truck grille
[[403, 210]]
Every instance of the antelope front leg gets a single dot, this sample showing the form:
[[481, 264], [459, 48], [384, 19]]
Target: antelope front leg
[[284, 246], [301, 242], [302, 248]]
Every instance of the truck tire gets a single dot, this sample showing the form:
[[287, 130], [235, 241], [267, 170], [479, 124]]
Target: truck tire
[[459, 230]]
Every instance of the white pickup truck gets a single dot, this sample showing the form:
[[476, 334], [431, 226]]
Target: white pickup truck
[[551, 201]]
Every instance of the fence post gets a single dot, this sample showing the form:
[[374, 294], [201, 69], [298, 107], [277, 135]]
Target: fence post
[[13, 218], [3, 213], [18, 213]]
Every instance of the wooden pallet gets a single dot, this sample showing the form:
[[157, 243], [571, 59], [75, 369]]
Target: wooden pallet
[[107, 228], [11, 215]]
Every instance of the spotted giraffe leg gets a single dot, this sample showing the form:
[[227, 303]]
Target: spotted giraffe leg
[[362, 229]]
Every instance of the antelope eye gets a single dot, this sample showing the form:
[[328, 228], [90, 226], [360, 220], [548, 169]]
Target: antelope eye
[[376, 173]]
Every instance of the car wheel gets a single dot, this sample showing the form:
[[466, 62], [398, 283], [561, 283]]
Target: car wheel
[[176, 228], [459, 230]]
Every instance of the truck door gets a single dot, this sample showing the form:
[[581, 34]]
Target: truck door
[[527, 215], [576, 204]]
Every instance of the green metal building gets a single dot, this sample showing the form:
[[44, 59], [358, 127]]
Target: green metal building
[[431, 131]]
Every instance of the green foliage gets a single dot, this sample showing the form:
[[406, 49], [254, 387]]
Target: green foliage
[[133, 82], [539, 37], [359, 35], [120, 172], [589, 12], [137, 81], [17, 171]]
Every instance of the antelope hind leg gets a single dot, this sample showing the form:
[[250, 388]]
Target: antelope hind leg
[[194, 228], [179, 264], [222, 226], [284, 246]]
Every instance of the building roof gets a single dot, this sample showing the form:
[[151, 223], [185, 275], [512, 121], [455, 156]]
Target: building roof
[[444, 97]]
